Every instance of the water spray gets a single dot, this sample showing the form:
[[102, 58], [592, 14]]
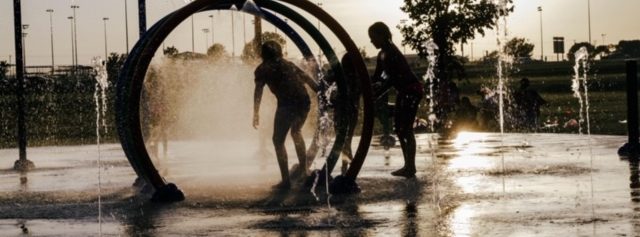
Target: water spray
[[579, 81], [100, 97], [431, 79]]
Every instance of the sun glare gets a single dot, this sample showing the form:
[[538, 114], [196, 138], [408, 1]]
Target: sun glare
[[469, 152]]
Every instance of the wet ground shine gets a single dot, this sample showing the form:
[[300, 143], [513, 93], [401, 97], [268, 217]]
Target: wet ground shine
[[478, 184]]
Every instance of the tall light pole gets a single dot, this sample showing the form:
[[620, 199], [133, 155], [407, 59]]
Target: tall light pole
[[73, 49], [75, 31], [603, 35], [24, 47], [50, 11], [104, 20], [126, 26], [22, 163], [24, 50], [206, 42], [589, 16], [193, 40], [233, 37], [541, 37], [213, 39]]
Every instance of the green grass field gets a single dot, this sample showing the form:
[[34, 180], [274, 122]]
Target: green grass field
[[607, 95]]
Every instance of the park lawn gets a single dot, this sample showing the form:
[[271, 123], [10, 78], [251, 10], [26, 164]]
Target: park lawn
[[606, 91]]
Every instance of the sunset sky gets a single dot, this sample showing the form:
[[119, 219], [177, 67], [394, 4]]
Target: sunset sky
[[611, 21]]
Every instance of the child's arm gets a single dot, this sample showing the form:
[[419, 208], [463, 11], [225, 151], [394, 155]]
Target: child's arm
[[257, 97]]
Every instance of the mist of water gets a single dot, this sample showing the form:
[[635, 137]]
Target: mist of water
[[325, 127], [580, 70], [579, 80], [503, 65], [205, 109], [431, 80], [326, 123]]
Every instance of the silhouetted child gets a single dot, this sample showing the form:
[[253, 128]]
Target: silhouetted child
[[286, 82], [488, 109], [347, 110], [466, 115], [528, 103], [392, 65]]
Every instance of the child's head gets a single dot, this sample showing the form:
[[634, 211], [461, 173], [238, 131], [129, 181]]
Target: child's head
[[347, 65], [270, 50], [465, 100], [379, 34], [524, 82]]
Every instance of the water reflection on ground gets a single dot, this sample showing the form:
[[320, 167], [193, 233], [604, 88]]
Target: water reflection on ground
[[478, 184]]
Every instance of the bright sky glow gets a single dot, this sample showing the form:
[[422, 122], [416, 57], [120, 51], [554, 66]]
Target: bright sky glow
[[611, 21]]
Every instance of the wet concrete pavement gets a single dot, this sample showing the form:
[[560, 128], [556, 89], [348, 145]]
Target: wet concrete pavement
[[479, 184]]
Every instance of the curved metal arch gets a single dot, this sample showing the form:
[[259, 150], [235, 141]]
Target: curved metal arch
[[135, 68], [135, 149]]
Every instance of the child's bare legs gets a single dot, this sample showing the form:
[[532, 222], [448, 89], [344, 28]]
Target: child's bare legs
[[298, 141], [405, 113], [281, 125]]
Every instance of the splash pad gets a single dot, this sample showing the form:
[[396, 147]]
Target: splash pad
[[131, 79]]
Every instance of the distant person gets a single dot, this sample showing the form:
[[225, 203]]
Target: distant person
[[488, 109], [394, 69], [466, 113], [420, 125], [447, 99], [528, 103], [156, 113], [286, 82]]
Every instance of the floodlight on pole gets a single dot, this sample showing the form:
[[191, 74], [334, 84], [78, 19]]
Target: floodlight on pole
[[193, 41], [24, 51], [233, 36], [541, 37], [206, 42], [213, 38], [50, 11], [73, 49], [126, 26], [75, 31], [105, 19], [24, 47], [589, 18]]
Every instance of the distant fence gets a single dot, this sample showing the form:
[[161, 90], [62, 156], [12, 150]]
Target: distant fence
[[61, 70]]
